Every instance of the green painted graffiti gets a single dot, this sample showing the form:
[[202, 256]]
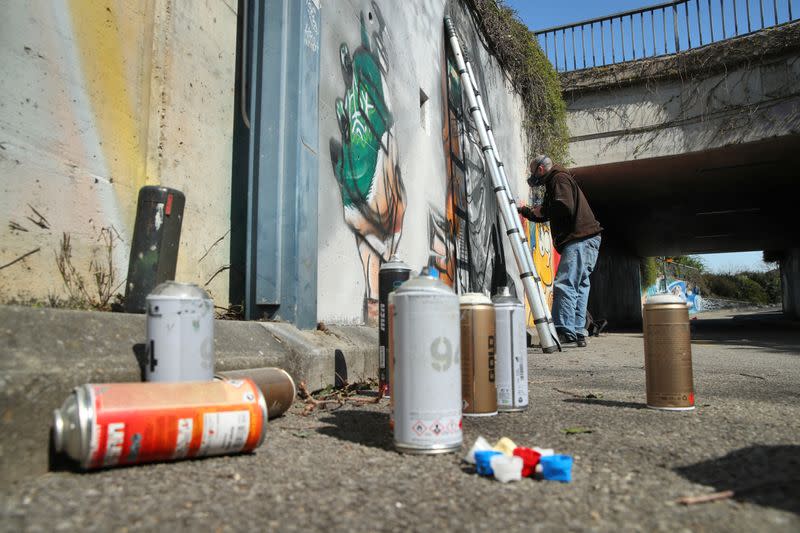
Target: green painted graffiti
[[364, 155], [364, 117]]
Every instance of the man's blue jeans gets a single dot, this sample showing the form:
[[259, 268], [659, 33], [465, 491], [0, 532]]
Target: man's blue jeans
[[571, 286]]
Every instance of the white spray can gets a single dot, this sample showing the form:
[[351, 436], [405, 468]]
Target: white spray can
[[427, 366], [511, 352], [180, 333]]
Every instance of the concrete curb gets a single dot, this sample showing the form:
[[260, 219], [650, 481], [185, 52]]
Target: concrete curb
[[45, 353]]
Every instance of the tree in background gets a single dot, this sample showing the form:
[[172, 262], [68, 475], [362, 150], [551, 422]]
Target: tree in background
[[745, 286]]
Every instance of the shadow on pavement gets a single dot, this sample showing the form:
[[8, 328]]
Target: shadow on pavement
[[607, 403], [369, 428], [768, 330], [764, 475]]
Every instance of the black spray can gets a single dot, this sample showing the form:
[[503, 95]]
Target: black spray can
[[392, 275]]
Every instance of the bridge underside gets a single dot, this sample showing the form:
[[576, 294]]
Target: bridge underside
[[735, 198]]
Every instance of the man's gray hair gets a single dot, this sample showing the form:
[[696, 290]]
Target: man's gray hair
[[543, 160]]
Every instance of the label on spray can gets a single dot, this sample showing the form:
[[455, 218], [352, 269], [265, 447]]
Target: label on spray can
[[127, 423], [478, 371], [512, 355]]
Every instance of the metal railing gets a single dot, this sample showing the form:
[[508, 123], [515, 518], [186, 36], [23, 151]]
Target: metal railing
[[658, 30]]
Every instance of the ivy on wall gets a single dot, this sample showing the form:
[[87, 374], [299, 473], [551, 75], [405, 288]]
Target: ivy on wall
[[531, 74]]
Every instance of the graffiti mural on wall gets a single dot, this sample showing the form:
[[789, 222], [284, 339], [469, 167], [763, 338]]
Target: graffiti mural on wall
[[545, 256], [472, 247], [440, 244], [679, 288], [364, 157]]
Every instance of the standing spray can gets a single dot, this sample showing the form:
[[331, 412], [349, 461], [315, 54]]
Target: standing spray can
[[478, 355], [180, 333], [390, 315], [116, 424], [511, 364], [668, 354], [427, 367], [390, 277]]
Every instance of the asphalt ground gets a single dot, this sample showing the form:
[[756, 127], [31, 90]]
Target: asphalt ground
[[335, 469]]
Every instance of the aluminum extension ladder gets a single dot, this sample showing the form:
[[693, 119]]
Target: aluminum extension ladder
[[508, 207]]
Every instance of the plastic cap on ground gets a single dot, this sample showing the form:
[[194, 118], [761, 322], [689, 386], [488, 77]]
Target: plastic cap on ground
[[481, 444], [530, 458], [544, 452], [505, 446], [557, 468], [483, 461], [506, 468]]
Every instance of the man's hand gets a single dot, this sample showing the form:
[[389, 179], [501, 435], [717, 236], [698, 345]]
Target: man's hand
[[537, 210], [520, 205]]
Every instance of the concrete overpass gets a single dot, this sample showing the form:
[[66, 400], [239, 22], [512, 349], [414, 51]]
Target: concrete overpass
[[695, 152]]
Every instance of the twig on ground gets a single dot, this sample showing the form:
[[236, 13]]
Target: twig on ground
[[752, 376], [731, 493], [337, 397], [570, 393], [706, 498]]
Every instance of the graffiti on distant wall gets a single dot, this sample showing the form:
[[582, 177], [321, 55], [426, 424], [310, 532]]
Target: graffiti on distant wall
[[473, 249], [679, 288], [364, 156]]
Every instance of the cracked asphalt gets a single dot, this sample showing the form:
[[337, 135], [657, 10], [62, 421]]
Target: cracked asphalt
[[337, 470]]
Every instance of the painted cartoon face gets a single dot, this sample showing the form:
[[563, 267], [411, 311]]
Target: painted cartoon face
[[543, 254]]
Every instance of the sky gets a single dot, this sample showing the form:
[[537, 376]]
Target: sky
[[649, 34], [541, 14]]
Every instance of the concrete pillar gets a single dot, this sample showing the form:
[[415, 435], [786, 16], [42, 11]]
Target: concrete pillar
[[790, 283], [616, 290]]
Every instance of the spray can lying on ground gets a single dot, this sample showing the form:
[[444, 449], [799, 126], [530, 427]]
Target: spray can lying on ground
[[115, 424], [180, 333], [427, 367], [275, 383], [390, 277], [511, 363], [478, 355]]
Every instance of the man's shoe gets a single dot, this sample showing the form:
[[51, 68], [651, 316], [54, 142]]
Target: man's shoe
[[567, 342], [581, 341]]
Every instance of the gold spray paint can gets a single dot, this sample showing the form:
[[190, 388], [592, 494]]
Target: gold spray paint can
[[275, 383], [668, 354], [478, 389]]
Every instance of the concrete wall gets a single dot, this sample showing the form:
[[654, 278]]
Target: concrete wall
[[790, 283], [738, 91], [391, 178], [100, 97], [109, 95]]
